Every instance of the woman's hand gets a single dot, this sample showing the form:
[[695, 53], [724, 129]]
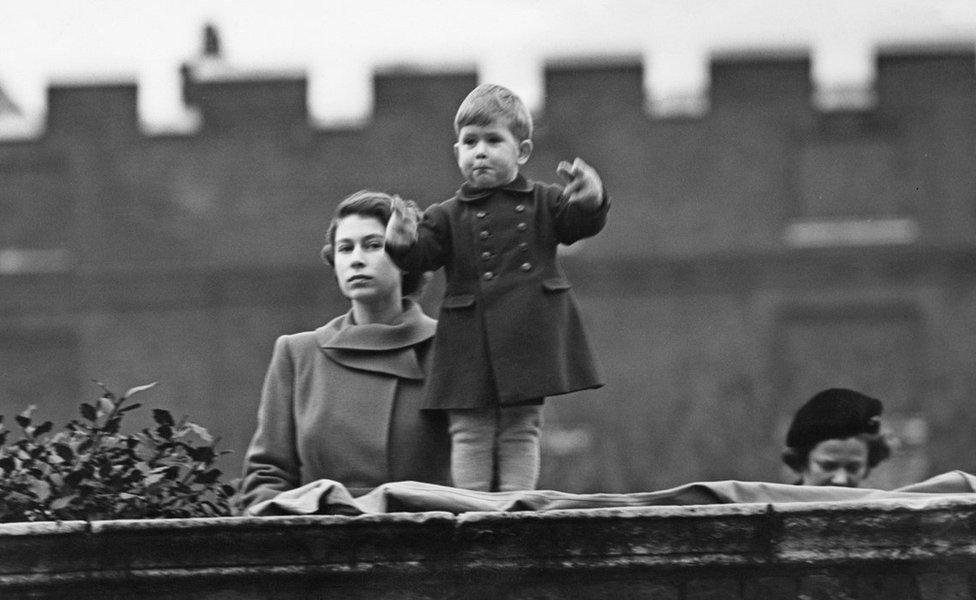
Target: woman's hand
[[583, 184], [401, 230]]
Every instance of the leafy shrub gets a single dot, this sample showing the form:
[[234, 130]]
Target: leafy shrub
[[92, 471]]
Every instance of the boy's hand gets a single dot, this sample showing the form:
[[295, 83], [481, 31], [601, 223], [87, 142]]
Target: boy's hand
[[401, 230], [583, 185]]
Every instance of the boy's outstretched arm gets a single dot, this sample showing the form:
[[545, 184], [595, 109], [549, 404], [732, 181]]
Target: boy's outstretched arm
[[583, 185], [401, 230], [415, 242]]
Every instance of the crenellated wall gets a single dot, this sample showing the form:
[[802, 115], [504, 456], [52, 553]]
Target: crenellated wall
[[731, 181], [754, 254]]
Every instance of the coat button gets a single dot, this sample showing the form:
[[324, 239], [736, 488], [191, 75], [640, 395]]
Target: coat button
[[482, 214], [484, 235], [523, 246], [488, 276], [526, 266], [486, 255], [521, 227], [519, 208]]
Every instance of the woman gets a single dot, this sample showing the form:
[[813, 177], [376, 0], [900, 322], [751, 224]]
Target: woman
[[343, 402], [834, 439]]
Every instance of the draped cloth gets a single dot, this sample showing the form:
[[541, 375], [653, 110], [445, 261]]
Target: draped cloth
[[325, 496]]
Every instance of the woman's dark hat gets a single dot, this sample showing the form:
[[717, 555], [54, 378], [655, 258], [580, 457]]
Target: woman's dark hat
[[835, 413]]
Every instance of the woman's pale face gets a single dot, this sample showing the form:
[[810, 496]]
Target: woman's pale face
[[837, 462], [363, 269]]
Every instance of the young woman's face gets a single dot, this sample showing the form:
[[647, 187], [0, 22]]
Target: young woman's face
[[490, 156], [837, 462], [363, 269]]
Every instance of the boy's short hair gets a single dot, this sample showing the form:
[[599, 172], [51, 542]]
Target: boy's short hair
[[367, 203], [490, 102]]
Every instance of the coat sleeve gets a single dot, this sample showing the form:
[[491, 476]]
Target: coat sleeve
[[271, 464], [571, 221], [433, 246]]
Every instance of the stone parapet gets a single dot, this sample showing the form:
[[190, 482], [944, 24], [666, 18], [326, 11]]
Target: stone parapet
[[884, 549]]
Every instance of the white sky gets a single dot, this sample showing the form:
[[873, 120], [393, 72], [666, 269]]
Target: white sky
[[339, 44]]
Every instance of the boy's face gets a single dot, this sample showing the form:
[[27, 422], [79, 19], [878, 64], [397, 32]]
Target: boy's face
[[489, 155]]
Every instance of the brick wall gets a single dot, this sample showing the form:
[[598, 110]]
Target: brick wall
[[183, 257]]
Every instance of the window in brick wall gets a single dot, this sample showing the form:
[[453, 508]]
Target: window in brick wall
[[849, 186], [875, 349], [849, 179], [37, 215]]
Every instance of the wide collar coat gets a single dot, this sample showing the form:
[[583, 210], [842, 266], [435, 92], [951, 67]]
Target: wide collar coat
[[343, 402]]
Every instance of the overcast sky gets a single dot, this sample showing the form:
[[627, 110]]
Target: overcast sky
[[338, 44]]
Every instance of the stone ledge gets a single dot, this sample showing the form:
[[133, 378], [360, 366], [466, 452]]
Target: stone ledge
[[438, 554]]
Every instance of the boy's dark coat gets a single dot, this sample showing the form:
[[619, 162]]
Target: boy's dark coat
[[509, 331]]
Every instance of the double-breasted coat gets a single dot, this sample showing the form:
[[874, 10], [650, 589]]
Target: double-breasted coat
[[343, 402], [509, 330]]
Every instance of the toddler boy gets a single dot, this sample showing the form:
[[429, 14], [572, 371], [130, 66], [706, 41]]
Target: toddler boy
[[509, 333]]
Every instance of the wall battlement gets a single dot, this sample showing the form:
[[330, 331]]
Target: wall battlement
[[267, 102]]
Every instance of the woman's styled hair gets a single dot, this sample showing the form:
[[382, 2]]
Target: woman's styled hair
[[489, 103], [797, 458], [367, 203]]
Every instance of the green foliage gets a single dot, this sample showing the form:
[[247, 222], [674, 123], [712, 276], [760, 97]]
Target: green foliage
[[92, 471]]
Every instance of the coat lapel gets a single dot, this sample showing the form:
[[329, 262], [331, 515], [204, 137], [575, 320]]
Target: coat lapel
[[376, 347]]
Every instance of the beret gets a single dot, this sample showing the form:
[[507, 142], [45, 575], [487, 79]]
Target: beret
[[835, 413]]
